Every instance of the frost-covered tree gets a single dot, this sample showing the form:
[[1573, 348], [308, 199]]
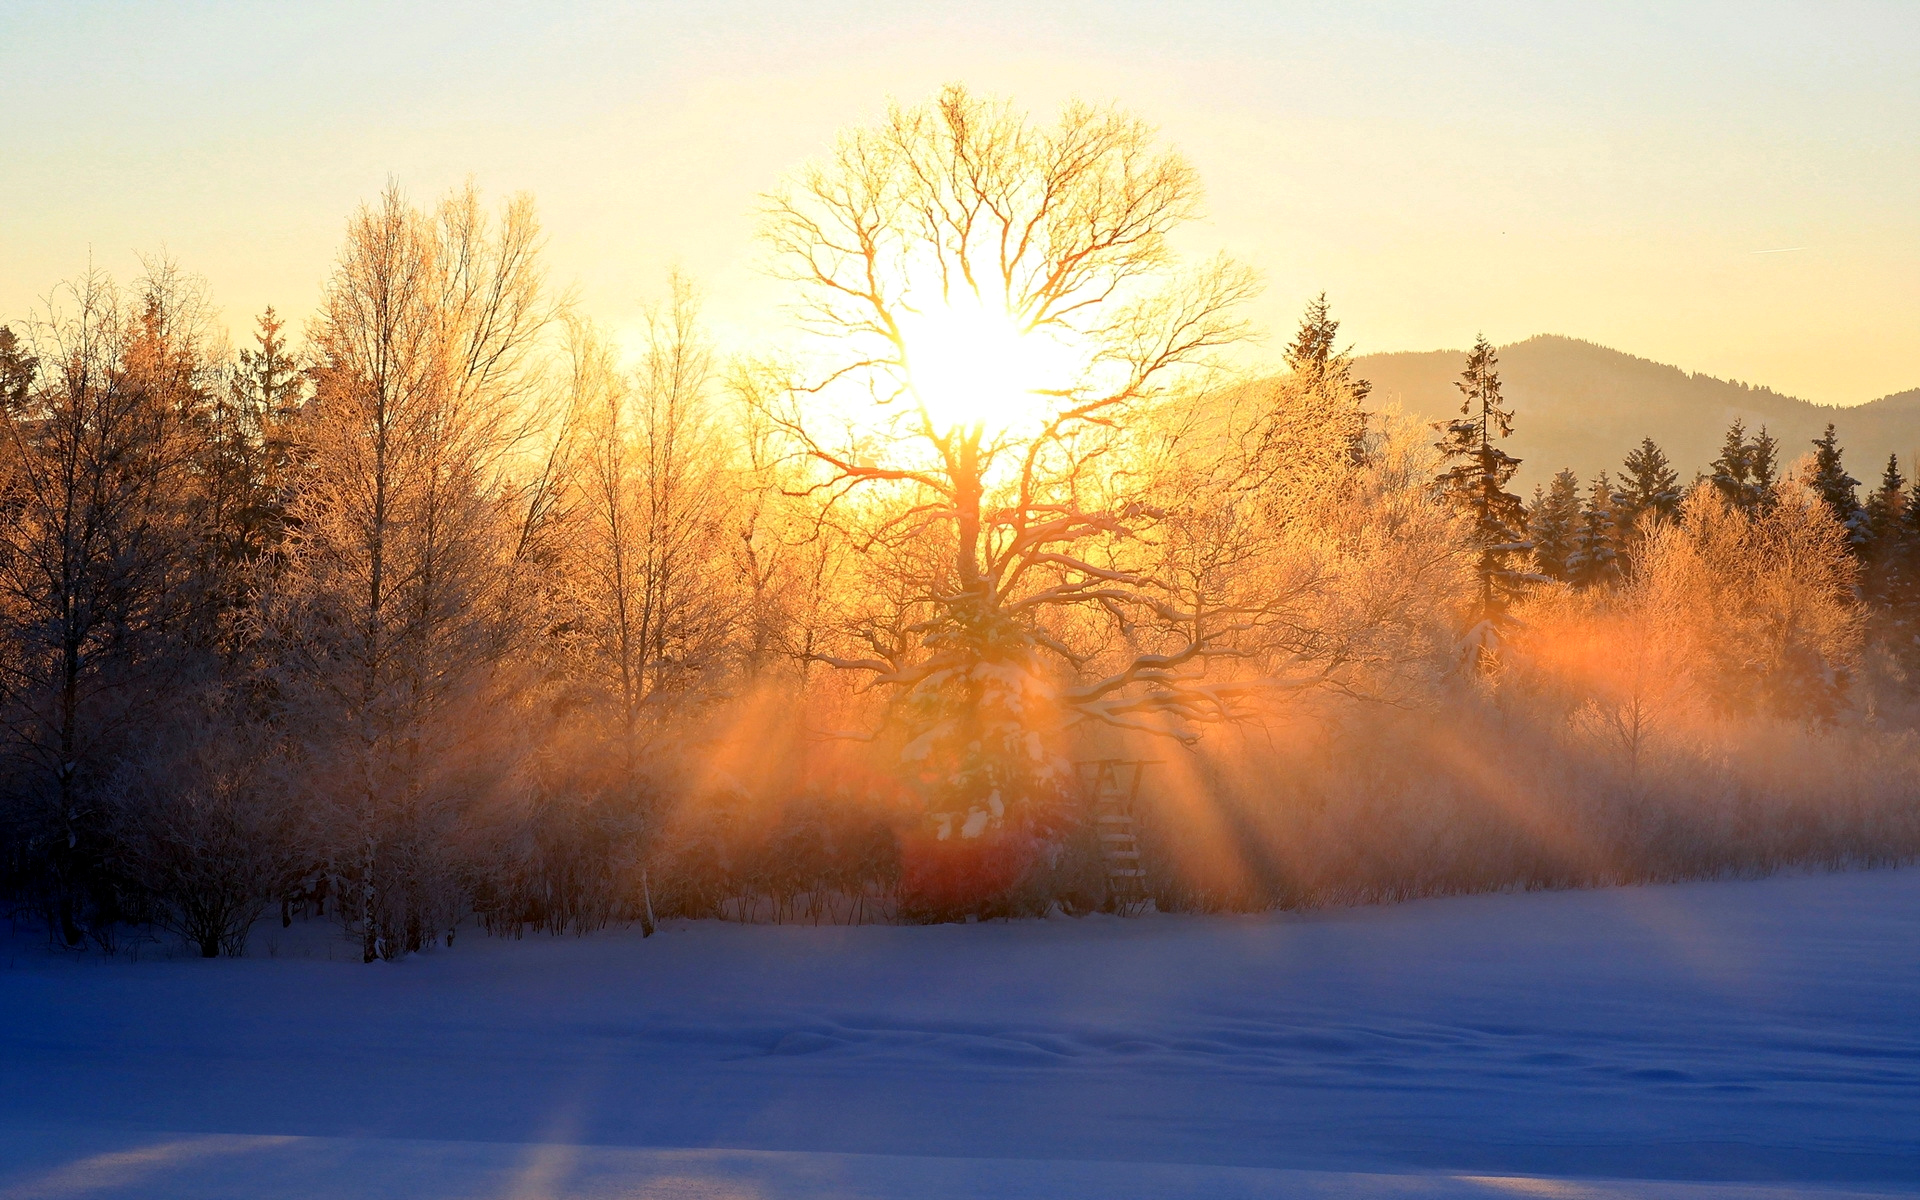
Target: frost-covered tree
[[1595, 558], [1775, 626], [255, 422], [651, 606], [1648, 484], [1647, 494], [390, 619], [1747, 469], [1839, 491], [96, 560], [996, 305], [1321, 375], [1880, 548], [1475, 481], [650, 506], [1553, 521]]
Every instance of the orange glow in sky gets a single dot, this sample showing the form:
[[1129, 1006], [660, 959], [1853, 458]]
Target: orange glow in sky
[[1732, 188]]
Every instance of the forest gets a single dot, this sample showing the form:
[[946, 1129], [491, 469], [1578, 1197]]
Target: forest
[[452, 611]]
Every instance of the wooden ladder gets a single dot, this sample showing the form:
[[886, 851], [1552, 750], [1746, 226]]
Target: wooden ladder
[[1113, 787]]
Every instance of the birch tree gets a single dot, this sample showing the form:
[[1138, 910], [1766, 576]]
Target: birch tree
[[651, 482], [391, 617]]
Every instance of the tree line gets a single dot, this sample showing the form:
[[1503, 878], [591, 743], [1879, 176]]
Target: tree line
[[448, 612]]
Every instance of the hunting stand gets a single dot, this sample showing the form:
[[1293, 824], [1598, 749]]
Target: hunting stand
[[1112, 787]]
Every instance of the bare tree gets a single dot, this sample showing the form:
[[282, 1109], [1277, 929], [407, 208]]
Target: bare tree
[[200, 823], [651, 483], [412, 508], [993, 309], [94, 553]]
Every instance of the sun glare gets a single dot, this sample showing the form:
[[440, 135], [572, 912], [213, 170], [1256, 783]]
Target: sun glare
[[972, 364]]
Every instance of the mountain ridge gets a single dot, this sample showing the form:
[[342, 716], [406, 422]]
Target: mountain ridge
[[1582, 405]]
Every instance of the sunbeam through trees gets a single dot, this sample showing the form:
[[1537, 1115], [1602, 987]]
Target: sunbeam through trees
[[454, 608]]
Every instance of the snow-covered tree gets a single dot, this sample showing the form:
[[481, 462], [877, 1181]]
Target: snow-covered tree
[[1839, 491], [1553, 521], [1747, 469], [1475, 481], [1648, 493], [389, 622], [1595, 558]]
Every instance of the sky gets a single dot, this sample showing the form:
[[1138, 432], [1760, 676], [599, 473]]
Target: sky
[[1733, 188]]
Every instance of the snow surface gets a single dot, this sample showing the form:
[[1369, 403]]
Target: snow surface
[[1733, 1039]]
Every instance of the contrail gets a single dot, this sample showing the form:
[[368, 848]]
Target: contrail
[[1781, 250]]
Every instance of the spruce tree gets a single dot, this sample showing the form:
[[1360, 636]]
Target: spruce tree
[[264, 397], [1552, 522], [1763, 466], [1901, 558], [1732, 471], [1884, 506], [1648, 494], [1881, 526], [1595, 558], [1477, 484], [17, 368], [1321, 369], [1747, 469], [1648, 484], [1837, 489]]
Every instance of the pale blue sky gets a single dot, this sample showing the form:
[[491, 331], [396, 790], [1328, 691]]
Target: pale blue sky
[[1600, 170]]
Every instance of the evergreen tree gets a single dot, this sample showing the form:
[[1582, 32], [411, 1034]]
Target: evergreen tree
[[1881, 520], [17, 368], [1552, 522], [1322, 370], [1595, 558], [1899, 559], [1747, 469], [1837, 489], [1732, 470], [1884, 507], [253, 442], [1763, 464], [1648, 485], [1477, 482], [1649, 493]]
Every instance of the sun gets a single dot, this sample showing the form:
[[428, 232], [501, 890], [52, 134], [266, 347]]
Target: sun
[[973, 365]]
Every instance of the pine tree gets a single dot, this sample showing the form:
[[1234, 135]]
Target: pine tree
[[1552, 522], [242, 461], [1733, 469], [1900, 561], [1881, 550], [1763, 465], [1595, 558], [1320, 367], [1477, 484], [1649, 494], [1837, 489], [1648, 484], [17, 369], [1747, 469]]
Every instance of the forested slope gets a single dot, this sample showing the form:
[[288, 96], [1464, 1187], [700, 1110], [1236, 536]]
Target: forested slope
[[1583, 406]]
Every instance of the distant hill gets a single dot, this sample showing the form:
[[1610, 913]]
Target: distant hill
[[1584, 406]]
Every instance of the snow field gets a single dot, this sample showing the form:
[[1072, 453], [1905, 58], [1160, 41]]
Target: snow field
[[1732, 1039]]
